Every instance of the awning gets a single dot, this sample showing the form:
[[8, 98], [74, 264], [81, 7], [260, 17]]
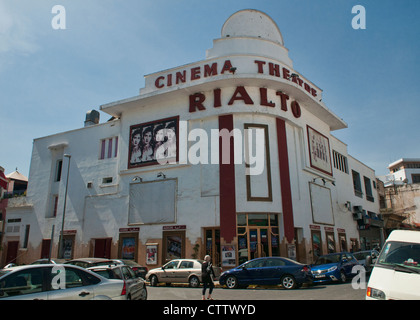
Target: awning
[[3, 180]]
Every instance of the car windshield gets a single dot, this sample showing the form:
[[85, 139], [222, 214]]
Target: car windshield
[[401, 254], [333, 258]]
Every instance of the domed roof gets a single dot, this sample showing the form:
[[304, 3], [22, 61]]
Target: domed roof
[[252, 23]]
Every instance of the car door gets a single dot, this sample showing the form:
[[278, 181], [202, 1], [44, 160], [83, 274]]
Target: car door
[[252, 272], [273, 270], [184, 270], [68, 283], [169, 271], [27, 284]]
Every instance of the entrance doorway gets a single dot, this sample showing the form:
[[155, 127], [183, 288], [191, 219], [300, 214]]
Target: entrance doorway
[[212, 244], [258, 236], [12, 251]]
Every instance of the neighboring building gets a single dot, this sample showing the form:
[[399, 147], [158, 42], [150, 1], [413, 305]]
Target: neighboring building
[[232, 156], [13, 188], [400, 205], [403, 171]]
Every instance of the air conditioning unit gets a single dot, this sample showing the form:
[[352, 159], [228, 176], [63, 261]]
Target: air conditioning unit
[[357, 215]]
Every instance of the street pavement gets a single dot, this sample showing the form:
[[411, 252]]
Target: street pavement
[[339, 291]]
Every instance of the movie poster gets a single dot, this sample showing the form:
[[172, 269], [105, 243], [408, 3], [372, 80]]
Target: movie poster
[[319, 151], [153, 143]]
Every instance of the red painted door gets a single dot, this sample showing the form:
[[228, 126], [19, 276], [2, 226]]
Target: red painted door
[[103, 248], [12, 251]]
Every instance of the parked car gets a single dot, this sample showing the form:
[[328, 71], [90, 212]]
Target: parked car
[[267, 271], [396, 273], [179, 270], [361, 257], [57, 282], [138, 269], [87, 262], [135, 286], [334, 267]]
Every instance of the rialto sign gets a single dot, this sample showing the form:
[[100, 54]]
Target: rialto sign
[[197, 100]]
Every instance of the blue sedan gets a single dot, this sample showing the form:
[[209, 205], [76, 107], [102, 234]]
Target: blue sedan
[[267, 271], [334, 267]]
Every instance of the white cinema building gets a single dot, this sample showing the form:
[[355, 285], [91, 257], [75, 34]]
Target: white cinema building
[[157, 181]]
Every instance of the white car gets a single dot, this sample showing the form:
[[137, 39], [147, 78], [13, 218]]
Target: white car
[[57, 282], [180, 271], [396, 273]]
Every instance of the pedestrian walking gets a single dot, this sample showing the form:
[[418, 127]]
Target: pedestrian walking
[[207, 274]]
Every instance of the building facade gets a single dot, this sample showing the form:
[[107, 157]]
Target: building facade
[[231, 156]]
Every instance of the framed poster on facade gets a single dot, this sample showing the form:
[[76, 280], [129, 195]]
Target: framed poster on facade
[[154, 142], [151, 253], [228, 256], [319, 151]]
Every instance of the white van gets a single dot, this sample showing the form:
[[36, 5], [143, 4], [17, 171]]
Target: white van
[[396, 273]]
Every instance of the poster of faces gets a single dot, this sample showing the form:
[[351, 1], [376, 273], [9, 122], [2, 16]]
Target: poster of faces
[[319, 151], [153, 143]]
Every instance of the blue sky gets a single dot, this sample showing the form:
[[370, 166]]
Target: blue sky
[[50, 78]]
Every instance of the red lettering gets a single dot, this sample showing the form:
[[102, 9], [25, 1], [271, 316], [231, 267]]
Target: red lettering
[[217, 100], [210, 71], [313, 92], [158, 83], [169, 80], [283, 100], [181, 77], [196, 102], [307, 87], [264, 100], [195, 73], [241, 94], [286, 73], [274, 69], [260, 65], [226, 67], [297, 112], [300, 81]]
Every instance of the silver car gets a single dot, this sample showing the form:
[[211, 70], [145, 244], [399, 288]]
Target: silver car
[[135, 286], [181, 271], [57, 282]]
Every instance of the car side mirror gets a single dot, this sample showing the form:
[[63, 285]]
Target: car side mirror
[[368, 261]]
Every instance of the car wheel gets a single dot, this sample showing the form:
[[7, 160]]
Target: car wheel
[[154, 281], [288, 282], [143, 294], [194, 282], [231, 282], [343, 277]]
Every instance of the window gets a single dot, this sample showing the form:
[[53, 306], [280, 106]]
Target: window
[[109, 148], [58, 168], [107, 180], [368, 188], [186, 265], [357, 184], [340, 162], [416, 178], [55, 205], [26, 239], [24, 282]]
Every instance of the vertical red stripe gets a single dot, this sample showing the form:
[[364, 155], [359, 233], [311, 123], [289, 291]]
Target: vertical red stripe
[[286, 192], [227, 185]]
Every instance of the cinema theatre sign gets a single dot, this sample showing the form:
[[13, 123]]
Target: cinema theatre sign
[[215, 69], [197, 100]]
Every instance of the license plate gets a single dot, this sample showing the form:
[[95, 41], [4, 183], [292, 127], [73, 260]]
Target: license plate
[[319, 276]]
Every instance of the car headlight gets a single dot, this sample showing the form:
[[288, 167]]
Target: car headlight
[[375, 293], [332, 269]]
